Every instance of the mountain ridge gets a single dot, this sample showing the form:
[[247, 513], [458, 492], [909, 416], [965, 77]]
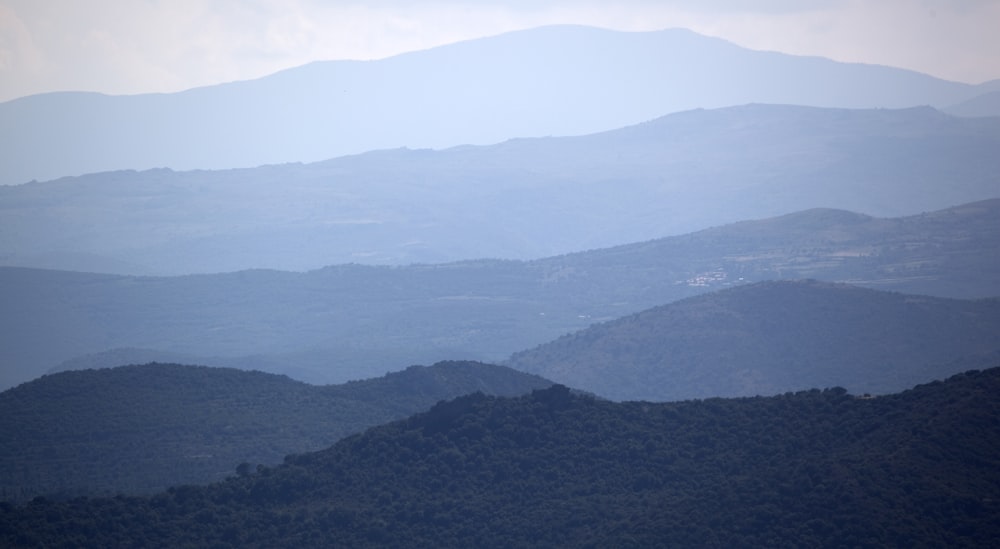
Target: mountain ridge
[[354, 321], [328, 109], [674, 175], [807, 469], [142, 428], [771, 337]]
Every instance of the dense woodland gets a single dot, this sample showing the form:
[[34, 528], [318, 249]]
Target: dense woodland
[[817, 468], [771, 337], [141, 429]]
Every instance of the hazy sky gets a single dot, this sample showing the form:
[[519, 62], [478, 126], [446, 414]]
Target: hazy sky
[[135, 46]]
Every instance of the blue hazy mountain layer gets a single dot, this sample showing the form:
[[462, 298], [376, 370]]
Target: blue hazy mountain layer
[[520, 199], [562, 80], [355, 321]]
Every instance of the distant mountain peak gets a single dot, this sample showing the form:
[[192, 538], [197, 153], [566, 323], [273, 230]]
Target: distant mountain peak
[[559, 80]]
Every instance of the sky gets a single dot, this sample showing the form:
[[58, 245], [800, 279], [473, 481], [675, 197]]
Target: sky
[[143, 46]]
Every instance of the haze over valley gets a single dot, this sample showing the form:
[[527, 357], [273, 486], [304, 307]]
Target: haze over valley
[[517, 290], [521, 199], [353, 321]]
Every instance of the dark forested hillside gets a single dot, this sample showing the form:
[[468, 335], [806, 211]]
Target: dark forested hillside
[[805, 469], [138, 429], [769, 338], [352, 321]]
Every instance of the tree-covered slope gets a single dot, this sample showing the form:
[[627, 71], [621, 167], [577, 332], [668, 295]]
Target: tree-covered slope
[[353, 321], [768, 338], [139, 429], [807, 469]]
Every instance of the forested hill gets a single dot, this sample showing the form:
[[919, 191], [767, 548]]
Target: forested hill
[[139, 429], [807, 469], [352, 321], [769, 338]]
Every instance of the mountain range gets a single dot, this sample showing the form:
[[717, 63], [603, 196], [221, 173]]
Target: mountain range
[[141, 429], [560, 80], [353, 322], [741, 270], [807, 469], [521, 199], [773, 337], [138, 429]]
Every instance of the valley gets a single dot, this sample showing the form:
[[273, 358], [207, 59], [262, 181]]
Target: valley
[[557, 287], [522, 199], [349, 322]]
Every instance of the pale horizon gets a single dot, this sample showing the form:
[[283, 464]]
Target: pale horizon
[[125, 47]]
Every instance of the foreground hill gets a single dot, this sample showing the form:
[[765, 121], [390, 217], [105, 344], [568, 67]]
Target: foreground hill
[[521, 199], [351, 321], [560, 80], [139, 429], [769, 338], [810, 469]]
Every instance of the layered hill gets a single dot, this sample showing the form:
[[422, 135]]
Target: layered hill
[[809, 469], [561, 80], [140, 429], [772, 337], [987, 104], [351, 321], [520, 199]]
